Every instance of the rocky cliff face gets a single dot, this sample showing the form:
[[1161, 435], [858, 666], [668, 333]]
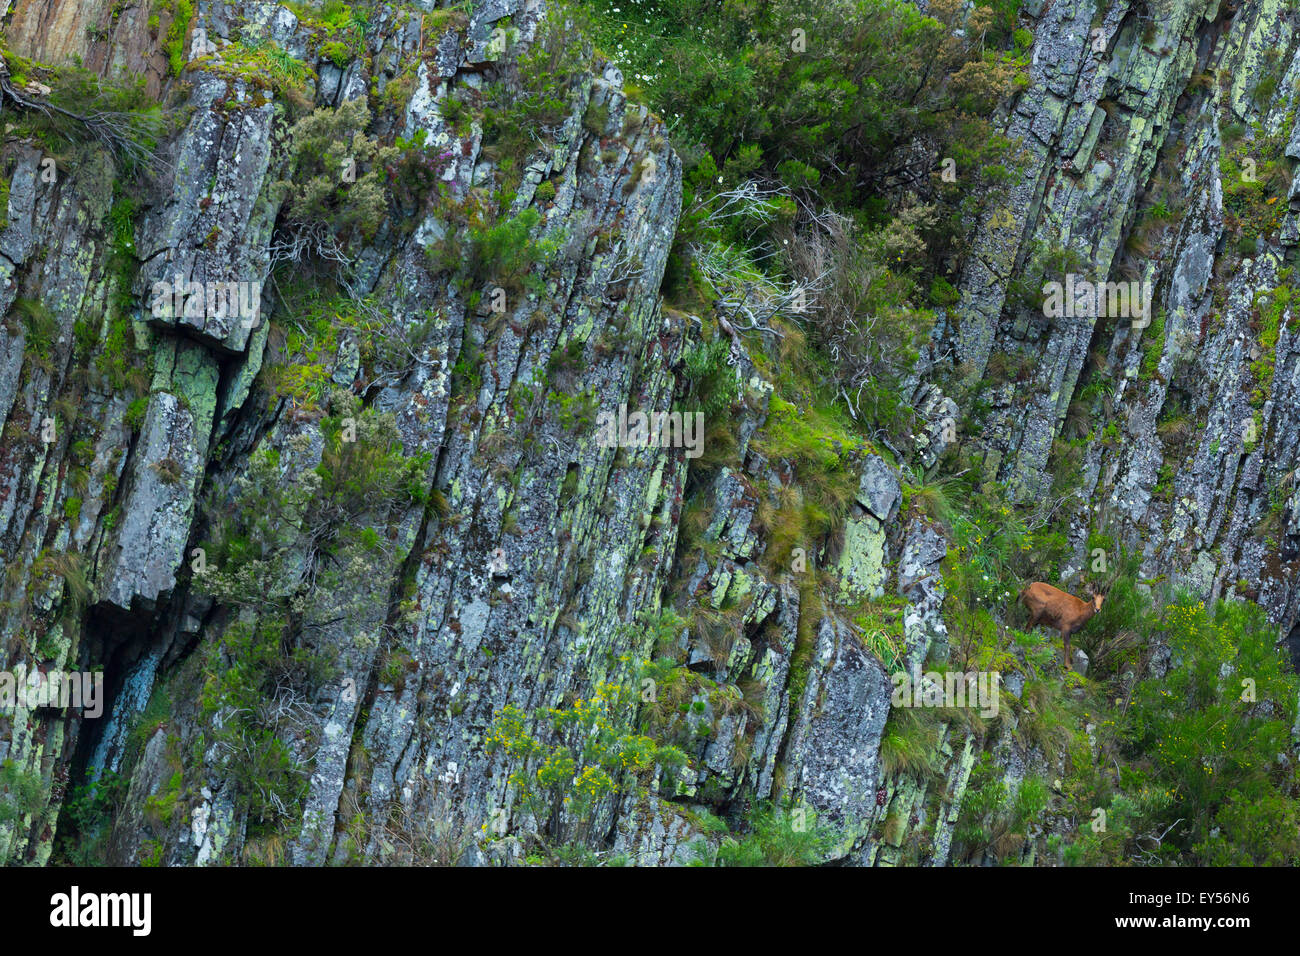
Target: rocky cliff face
[[1123, 126], [319, 544]]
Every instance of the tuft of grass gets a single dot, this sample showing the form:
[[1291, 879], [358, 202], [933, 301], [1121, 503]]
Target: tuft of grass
[[909, 744]]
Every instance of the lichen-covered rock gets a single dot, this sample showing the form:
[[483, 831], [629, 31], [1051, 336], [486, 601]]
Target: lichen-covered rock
[[182, 487], [832, 759]]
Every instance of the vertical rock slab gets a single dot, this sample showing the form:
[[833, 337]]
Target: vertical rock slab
[[833, 754], [166, 471], [210, 237]]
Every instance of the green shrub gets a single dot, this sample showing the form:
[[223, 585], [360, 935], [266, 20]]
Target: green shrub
[[714, 388], [267, 65], [942, 292], [182, 11], [42, 328], [1203, 740], [22, 793], [505, 251], [596, 119], [336, 52], [571, 761], [777, 837], [993, 819], [338, 183]]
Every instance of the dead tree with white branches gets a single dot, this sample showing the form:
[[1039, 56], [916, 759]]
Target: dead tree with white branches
[[119, 132]]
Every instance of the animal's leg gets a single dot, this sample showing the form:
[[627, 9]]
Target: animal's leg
[[1068, 659]]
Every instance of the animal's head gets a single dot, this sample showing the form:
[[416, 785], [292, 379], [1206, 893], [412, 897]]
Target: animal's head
[[1097, 600]]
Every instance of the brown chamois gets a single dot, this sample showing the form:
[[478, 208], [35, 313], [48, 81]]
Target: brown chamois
[[1065, 612]]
